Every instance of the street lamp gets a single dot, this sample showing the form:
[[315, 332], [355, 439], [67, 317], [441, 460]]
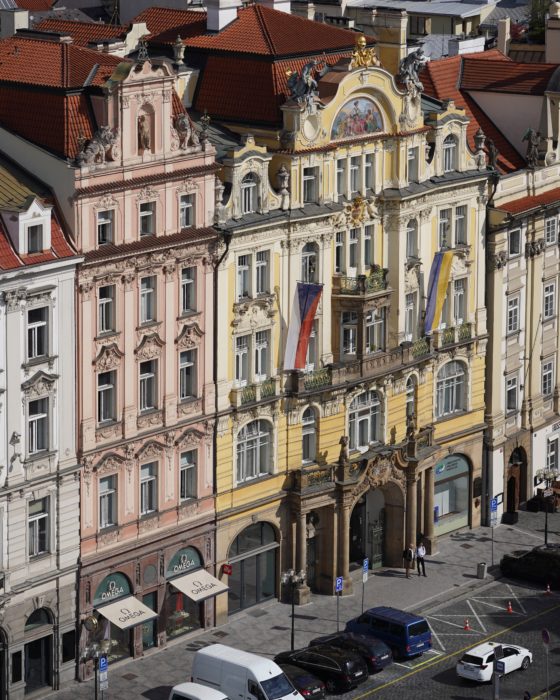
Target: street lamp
[[548, 476], [293, 579]]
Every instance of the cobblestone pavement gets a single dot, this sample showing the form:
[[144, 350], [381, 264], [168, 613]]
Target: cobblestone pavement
[[265, 629]]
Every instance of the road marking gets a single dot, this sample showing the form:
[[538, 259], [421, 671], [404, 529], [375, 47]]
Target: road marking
[[530, 534], [477, 618], [435, 635], [498, 607], [434, 662], [550, 690], [447, 622], [517, 599]]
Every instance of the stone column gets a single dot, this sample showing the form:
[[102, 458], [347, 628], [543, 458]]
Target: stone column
[[344, 548], [302, 593], [411, 508], [429, 532]]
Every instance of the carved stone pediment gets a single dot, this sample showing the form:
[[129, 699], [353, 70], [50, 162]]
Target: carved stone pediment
[[150, 449], [150, 346], [108, 357], [39, 384], [254, 312], [111, 462], [189, 337], [190, 438]]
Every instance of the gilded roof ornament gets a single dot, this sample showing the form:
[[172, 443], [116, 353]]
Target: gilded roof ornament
[[362, 56]]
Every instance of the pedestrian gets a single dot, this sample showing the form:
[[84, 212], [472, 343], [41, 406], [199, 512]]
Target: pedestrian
[[420, 554], [408, 556]]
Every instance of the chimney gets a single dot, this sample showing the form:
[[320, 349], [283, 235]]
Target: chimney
[[281, 5], [220, 13], [552, 36], [13, 20], [504, 35], [389, 29]]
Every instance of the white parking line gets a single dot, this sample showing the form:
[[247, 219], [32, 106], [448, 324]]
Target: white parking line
[[477, 617], [517, 599], [491, 605], [435, 635], [447, 622]]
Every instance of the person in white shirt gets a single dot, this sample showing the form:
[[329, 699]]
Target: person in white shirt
[[420, 554]]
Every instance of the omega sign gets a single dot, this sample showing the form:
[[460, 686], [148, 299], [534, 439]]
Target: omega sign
[[126, 615], [199, 587], [113, 591], [184, 564]]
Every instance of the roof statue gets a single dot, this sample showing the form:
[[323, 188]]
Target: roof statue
[[362, 57], [101, 147], [493, 154], [409, 67], [533, 139], [303, 86]]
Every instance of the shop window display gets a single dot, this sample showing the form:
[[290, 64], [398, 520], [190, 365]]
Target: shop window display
[[181, 613], [111, 639]]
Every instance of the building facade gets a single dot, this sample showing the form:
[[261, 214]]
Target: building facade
[[39, 476]]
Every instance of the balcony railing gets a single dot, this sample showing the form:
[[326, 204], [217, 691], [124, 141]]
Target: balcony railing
[[317, 379], [453, 335], [241, 396], [376, 281]]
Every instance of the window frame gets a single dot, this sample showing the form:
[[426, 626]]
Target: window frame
[[188, 374], [309, 435], [188, 475], [512, 390], [148, 386], [309, 256], [551, 231], [450, 154], [149, 501], [41, 432], [514, 236], [36, 329], [513, 309], [147, 213], [32, 232], [188, 290], [105, 222], [451, 390], [310, 184], [108, 502], [34, 534], [187, 203], [365, 418], [547, 377], [102, 390], [106, 310], [148, 300], [249, 193], [255, 450], [549, 300]]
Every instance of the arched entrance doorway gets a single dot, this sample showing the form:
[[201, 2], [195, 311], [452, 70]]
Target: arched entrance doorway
[[252, 556], [516, 480], [38, 650]]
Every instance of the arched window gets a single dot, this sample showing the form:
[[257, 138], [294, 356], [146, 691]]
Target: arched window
[[249, 194], [309, 263], [309, 435], [451, 389], [254, 451], [411, 397], [365, 420], [449, 154], [38, 618], [412, 239]]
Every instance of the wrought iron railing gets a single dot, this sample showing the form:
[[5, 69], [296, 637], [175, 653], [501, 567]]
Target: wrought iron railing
[[420, 347], [317, 379], [268, 389], [248, 394], [448, 336], [465, 332]]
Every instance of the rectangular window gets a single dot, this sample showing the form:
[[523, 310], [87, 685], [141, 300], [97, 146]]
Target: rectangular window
[[68, 646], [369, 172], [148, 385], [461, 225], [514, 243], [186, 210], [417, 25], [311, 357], [412, 239], [459, 301], [147, 218], [550, 231], [38, 527], [188, 475], [105, 227], [242, 360], [38, 426], [410, 317], [511, 394], [552, 454], [37, 333], [106, 404], [148, 488], [513, 315], [147, 299], [35, 239], [368, 246], [375, 330], [107, 501], [243, 276], [248, 194], [341, 177], [549, 307], [106, 309], [339, 252], [444, 228], [355, 172], [548, 378], [353, 249], [412, 159], [310, 185], [187, 375], [261, 264], [261, 355], [188, 289], [349, 332]]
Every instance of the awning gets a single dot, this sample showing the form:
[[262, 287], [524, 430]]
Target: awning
[[199, 585], [127, 612]]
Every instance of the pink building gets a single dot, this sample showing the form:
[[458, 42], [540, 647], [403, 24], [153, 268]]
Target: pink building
[[136, 185]]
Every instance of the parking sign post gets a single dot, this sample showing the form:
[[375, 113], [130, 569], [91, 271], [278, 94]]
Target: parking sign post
[[338, 590], [493, 521], [546, 641], [365, 570], [499, 668]]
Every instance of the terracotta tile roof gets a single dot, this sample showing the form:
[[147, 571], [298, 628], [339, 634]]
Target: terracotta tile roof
[[82, 32], [525, 204], [441, 80], [37, 5], [506, 76], [53, 64], [60, 248], [149, 243], [166, 24]]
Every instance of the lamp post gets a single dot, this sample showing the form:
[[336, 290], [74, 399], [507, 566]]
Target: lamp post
[[93, 652], [548, 476], [293, 579]]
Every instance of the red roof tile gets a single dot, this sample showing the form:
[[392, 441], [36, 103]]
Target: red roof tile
[[441, 80], [37, 5], [60, 248], [166, 24], [506, 76], [525, 204], [82, 32]]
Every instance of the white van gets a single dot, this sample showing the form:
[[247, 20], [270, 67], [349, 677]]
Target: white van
[[241, 675], [195, 691]]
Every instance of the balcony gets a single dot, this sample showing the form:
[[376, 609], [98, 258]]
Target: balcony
[[362, 285], [301, 382], [253, 393], [453, 336]]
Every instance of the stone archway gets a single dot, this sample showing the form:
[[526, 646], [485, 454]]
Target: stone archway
[[516, 480]]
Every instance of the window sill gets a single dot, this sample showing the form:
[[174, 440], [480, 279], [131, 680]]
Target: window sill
[[44, 454], [107, 334], [147, 325], [151, 515], [42, 556], [248, 482], [511, 335], [106, 529], [43, 360], [188, 314], [450, 416]]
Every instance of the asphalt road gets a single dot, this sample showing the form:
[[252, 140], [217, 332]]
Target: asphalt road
[[432, 676]]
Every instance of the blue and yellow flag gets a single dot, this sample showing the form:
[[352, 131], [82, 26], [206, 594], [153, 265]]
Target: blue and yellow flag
[[437, 288]]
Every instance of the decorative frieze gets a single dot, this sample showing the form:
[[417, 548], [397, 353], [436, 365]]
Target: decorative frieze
[[534, 248], [496, 261]]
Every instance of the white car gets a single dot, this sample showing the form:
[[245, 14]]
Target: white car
[[478, 663]]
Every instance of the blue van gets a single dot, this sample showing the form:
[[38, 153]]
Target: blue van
[[404, 633]]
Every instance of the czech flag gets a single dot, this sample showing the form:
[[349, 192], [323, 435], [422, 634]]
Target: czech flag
[[437, 288], [301, 324]]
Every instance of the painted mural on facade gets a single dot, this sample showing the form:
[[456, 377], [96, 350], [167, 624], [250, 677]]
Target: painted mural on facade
[[357, 117]]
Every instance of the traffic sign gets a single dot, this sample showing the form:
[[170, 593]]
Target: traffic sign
[[338, 584], [500, 666], [103, 675], [366, 564], [493, 505], [103, 664], [493, 519], [104, 685], [545, 637], [365, 570]]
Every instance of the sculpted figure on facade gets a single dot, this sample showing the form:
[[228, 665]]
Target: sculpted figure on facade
[[409, 68], [533, 139], [101, 147], [362, 57], [303, 86], [144, 137]]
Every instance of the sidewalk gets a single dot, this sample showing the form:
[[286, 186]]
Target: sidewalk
[[266, 629]]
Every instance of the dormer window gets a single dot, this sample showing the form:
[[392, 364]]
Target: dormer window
[[249, 194], [147, 218], [35, 239], [449, 154], [104, 227]]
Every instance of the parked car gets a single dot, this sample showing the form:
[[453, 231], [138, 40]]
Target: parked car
[[195, 691], [478, 663], [373, 651], [540, 565], [339, 669], [404, 633], [308, 685]]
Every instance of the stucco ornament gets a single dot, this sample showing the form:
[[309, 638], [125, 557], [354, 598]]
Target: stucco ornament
[[181, 131], [411, 107], [189, 337], [409, 68], [101, 147], [533, 139], [356, 212], [109, 356], [362, 57]]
